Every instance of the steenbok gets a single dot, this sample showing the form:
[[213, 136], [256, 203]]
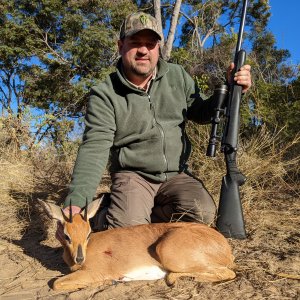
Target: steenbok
[[142, 252]]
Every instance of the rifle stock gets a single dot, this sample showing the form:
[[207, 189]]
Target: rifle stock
[[230, 219]]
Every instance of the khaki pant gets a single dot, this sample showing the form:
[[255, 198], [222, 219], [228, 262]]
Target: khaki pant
[[135, 200]]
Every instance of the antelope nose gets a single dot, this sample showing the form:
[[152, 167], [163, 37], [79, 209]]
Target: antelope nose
[[79, 259]]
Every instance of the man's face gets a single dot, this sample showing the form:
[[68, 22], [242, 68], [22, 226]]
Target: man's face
[[140, 53]]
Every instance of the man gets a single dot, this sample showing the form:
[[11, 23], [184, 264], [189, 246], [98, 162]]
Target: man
[[136, 117]]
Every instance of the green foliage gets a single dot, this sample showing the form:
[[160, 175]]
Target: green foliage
[[202, 83], [77, 47]]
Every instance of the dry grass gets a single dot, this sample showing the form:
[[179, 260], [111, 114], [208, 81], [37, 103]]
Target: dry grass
[[16, 187], [26, 177], [262, 159]]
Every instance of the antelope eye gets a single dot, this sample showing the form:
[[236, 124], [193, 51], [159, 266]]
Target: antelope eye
[[67, 238]]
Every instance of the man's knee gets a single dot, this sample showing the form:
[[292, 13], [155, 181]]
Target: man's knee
[[131, 200], [196, 209], [204, 210], [189, 200]]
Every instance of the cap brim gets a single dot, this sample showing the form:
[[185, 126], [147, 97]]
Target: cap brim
[[132, 32]]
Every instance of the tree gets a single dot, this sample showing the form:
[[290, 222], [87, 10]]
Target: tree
[[52, 52]]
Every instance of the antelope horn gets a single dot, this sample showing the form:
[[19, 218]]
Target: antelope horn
[[86, 209], [70, 212]]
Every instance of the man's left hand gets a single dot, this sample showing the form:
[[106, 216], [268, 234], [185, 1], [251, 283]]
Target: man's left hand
[[241, 77]]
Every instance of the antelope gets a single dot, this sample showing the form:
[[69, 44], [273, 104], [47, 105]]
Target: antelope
[[140, 252]]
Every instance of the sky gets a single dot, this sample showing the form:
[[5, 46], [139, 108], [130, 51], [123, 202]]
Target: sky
[[284, 24]]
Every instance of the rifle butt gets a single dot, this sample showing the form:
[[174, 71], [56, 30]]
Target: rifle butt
[[230, 219]]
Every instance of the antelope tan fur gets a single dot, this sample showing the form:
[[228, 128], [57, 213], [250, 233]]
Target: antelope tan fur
[[142, 252]]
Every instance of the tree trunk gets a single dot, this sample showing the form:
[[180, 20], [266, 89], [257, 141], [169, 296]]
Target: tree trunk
[[157, 14], [168, 45]]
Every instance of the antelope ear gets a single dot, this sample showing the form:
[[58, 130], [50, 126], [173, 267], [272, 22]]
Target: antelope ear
[[93, 208], [53, 211]]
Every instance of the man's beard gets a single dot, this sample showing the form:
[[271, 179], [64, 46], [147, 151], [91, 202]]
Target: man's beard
[[141, 71]]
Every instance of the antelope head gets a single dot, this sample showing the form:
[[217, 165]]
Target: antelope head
[[76, 229]]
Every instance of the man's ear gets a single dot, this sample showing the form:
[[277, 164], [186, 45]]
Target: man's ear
[[120, 46]]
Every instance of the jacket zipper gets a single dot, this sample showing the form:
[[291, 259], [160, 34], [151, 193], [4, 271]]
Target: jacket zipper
[[162, 135]]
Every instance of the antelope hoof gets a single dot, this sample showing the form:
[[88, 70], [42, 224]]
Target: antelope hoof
[[171, 279]]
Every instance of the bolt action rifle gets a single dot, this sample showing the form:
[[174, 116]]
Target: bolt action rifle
[[230, 220]]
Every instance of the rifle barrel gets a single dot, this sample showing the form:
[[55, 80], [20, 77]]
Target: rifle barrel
[[242, 26]]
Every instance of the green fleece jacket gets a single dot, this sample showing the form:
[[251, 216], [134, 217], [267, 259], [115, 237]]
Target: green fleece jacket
[[137, 131]]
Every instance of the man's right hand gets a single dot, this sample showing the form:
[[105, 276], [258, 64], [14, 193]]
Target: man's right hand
[[60, 227]]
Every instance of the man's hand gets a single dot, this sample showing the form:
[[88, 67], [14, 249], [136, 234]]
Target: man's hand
[[242, 77], [60, 228]]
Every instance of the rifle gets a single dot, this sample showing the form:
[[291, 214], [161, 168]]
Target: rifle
[[230, 220]]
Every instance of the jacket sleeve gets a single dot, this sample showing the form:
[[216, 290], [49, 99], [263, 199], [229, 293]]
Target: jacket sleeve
[[200, 108], [94, 150]]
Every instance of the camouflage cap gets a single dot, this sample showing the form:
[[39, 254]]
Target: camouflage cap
[[137, 22]]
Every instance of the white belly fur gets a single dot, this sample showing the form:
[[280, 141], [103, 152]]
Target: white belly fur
[[145, 273]]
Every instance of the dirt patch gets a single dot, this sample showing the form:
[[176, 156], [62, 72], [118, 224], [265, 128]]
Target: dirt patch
[[268, 263]]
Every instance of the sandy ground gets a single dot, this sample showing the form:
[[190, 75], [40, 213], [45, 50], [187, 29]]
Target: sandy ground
[[268, 264]]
